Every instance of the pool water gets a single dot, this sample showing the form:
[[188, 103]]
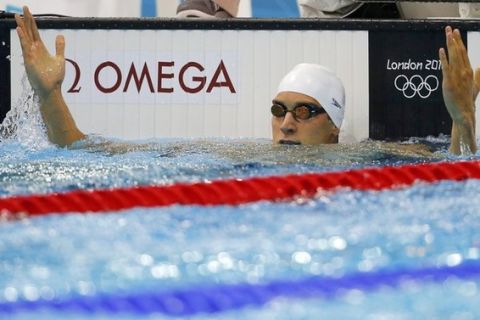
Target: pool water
[[92, 164], [334, 235]]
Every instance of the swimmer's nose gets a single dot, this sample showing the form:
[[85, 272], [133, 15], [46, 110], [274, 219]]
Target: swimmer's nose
[[289, 124]]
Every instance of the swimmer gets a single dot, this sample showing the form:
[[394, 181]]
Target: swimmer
[[309, 106], [301, 113]]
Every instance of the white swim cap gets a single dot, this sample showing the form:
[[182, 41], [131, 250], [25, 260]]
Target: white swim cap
[[319, 83]]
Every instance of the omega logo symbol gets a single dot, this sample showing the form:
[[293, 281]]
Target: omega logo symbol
[[416, 85]]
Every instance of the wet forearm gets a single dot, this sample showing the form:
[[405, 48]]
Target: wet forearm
[[463, 137], [61, 128]]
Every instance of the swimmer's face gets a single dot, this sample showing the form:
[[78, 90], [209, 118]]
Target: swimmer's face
[[288, 130]]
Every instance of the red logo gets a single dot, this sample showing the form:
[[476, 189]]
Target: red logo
[[158, 80]]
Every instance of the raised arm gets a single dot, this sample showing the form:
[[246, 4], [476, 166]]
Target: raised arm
[[460, 89], [46, 73]]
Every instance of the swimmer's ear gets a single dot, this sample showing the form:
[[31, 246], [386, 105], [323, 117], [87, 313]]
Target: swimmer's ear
[[331, 122], [334, 131], [334, 135]]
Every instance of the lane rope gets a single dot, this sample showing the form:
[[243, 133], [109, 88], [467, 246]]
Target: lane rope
[[238, 191], [228, 297]]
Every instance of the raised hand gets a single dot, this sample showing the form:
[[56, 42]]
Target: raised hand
[[45, 72], [460, 89]]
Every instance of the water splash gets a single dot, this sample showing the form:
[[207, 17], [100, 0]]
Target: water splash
[[23, 123]]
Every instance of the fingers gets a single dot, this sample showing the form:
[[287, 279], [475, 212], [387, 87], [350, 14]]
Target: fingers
[[461, 50], [27, 29], [24, 40], [35, 34], [60, 46], [451, 46], [27, 18], [443, 59], [20, 22], [30, 25], [21, 36], [457, 52]]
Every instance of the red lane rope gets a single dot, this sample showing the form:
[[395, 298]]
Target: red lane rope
[[237, 191]]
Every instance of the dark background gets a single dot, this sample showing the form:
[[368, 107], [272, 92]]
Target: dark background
[[392, 116]]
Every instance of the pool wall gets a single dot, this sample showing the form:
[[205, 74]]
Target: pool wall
[[142, 78]]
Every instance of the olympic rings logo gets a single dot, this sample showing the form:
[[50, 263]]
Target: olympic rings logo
[[416, 85]]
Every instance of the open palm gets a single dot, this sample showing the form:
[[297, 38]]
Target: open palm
[[460, 84], [45, 72]]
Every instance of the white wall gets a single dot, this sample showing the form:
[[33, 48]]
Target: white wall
[[254, 60]]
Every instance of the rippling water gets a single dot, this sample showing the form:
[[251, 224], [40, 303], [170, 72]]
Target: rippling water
[[333, 235], [95, 164]]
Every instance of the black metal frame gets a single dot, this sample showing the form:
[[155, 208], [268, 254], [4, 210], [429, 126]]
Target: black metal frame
[[246, 24]]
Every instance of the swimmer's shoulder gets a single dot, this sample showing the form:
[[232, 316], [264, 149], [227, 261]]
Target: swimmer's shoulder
[[407, 148], [96, 143]]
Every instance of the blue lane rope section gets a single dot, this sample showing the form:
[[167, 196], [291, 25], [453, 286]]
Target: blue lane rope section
[[220, 298]]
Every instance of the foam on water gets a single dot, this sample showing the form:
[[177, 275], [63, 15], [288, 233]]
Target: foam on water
[[165, 161], [23, 123]]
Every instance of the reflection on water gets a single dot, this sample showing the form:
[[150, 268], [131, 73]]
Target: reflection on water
[[103, 163], [162, 249]]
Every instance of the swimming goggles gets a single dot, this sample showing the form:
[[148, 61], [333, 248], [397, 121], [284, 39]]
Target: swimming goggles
[[302, 111]]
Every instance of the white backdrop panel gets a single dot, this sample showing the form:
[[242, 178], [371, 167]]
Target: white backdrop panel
[[138, 84]]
